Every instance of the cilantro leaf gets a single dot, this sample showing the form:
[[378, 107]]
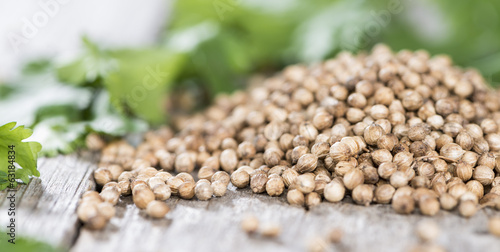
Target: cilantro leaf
[[87, 69], [142, 81], [26, 153], [25, 244]]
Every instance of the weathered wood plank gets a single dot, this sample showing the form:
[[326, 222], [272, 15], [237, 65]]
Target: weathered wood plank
[[46, 211], [214, 226], [45, 208]]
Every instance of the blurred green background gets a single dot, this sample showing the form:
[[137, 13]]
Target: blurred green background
[[208, 47]]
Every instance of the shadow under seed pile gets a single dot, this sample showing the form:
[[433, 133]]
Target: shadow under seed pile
[[404, 129]]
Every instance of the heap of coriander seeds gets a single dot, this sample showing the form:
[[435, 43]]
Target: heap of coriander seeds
[[404, 128]]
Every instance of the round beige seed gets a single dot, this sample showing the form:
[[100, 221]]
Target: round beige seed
[[157, 209]]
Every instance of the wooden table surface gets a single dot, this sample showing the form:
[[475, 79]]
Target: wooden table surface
[[46, 211]]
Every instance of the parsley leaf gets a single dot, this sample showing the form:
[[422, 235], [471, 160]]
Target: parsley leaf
[[26, 153]]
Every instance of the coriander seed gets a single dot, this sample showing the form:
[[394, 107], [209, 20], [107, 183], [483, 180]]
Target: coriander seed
[[295, 197], [403, 204], [162, 192], [427, 231], [363, 194], [353, 178], [157, 209], [203, 191], [467, 208], [307, 163], [102, 176], [275, 186], [221, 176], [334, 191], [219, 188], [494, 226], [312, 199], [106, 209], [186, 190], [250, 224], [384, 193], [270, 230], [240, 179], [142, 197], [305, 183]]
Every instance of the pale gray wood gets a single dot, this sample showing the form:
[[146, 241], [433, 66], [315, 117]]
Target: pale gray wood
[[45, 208], [214, 226], [47, 212]]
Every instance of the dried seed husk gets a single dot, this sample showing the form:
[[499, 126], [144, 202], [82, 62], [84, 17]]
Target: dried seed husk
[[162, 192], [110, 195], [334, 191], [403, 204], [96, 222], [307, 163], [186, 190], [275, 186], [427, 231], [373, 133], [381, 156], [305, 183], [221, 176], [203, 191], [384, 193], [340, 152], [429, 206], [157, 209], [312, 199], [387, 142], [240, 179], [447, 201], [363, 194], [184, 163], [219, 188], [494, 226], [106, 209], [295, 197], [250, 224], [258, 182], [484, 175], [370, 174], [142, 197], [289, 176], [452, 151], [399, 179], [228, 160], [102, 176], [353, 178], [487, 159], [270, 230], [467, 208], [320, 149]]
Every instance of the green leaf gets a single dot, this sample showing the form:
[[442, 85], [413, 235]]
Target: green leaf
[[37, 67], [26, 153], [4, 184], [73, 73], [59, 135], [142, 81], [24, 244], [108, 121], [23, 175], [37, 97], [87, 69]]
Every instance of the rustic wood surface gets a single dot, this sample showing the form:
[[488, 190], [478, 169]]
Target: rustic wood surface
[[46, 211]]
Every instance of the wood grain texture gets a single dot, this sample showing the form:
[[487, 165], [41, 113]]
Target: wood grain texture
[[215, 226], [45, 208], [47, 212]]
